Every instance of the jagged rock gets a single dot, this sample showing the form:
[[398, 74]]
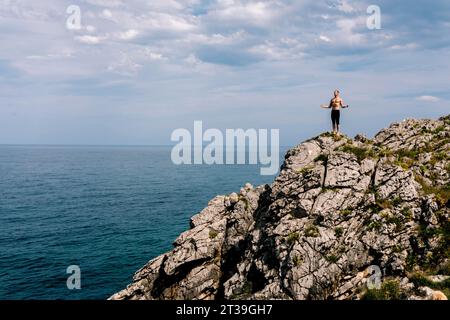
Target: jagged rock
[[361, 138], [213, 212], [431, 294], [234, 198], [338, 207], [438, 278]]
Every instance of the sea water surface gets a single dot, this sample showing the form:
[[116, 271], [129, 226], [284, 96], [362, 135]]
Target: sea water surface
[[106, 209]]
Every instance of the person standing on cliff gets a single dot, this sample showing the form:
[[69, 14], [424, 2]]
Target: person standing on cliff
[[335, 105]]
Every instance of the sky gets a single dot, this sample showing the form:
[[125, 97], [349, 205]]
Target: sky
[[134, 70]]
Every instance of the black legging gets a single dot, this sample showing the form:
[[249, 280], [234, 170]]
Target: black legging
[[335, 117]]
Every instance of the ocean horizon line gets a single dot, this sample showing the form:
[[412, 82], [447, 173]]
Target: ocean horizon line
[[103, 145]]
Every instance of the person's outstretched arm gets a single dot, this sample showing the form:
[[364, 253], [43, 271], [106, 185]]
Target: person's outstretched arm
[[325, 106], [342, 104]]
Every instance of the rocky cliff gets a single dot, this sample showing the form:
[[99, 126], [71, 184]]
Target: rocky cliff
[[340, 209]]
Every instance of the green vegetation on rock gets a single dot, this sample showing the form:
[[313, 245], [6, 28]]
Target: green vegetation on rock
[[360, 153], [338, 232], [312, 231], [442, 193], [213, 234], [297, 260], [390, 290], [293, 237]]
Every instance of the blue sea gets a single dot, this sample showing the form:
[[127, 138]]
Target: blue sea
[[108, 210]]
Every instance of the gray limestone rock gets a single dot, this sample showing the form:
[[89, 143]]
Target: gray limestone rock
[[337, 208]]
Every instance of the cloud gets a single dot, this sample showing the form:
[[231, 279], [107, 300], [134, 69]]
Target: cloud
[[125, 67], [283, 50], [346, 30], [407, 46], [106, 3], [324, 38], [87, 39], [251, 30], [107, 14], [251, 12], [345, 6], [128, 35], [428, 98], [215, 38]]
